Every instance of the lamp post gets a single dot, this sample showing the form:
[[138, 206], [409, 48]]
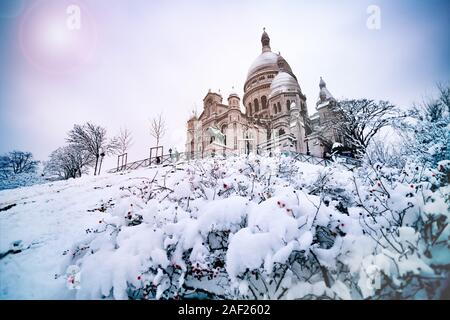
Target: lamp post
[[102, 155]]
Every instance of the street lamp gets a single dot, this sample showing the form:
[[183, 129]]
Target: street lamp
[[102, 155]]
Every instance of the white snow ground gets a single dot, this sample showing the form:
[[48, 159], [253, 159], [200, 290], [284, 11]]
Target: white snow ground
[[48, 219]]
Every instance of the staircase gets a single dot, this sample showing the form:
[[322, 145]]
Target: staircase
[[283, 142]]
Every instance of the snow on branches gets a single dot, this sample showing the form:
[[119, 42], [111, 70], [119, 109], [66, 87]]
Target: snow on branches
[[274, 228]]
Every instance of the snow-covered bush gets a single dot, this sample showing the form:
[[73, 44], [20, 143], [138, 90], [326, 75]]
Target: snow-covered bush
[[426, 131], [19, 169], [273, 228], [23, 179]]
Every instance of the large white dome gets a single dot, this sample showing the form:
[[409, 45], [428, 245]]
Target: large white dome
[[283, 82], [266, 59]]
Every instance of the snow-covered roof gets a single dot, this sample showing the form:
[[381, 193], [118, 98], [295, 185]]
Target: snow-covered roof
[[314, 116], [283, 82], [324, 95], [321, 105], [266, 59]]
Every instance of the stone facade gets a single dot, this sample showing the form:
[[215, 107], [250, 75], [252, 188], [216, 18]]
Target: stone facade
[[322, 137], [275, 117]]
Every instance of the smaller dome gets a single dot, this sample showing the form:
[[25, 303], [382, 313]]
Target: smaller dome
[[233, 93], [283, 82], [324, 94]]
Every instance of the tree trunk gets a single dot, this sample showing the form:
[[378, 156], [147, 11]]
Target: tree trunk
[[96, 164], [100, 166]]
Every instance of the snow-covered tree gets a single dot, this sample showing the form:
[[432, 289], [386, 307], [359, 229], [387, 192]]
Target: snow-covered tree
[[16, 162], [426, 131], [358, 121], [5, 168], [92, 139], [18, 169], [68, 162]]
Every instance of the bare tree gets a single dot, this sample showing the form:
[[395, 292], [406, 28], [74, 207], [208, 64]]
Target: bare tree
[[16, 162], [124, 141], [358, 121], [157, 128], [68, 162], [92, 139]]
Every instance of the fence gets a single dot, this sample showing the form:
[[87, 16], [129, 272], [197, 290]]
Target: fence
[[172, 158]]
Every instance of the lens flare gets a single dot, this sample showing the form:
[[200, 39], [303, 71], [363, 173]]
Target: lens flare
[[50, 43]]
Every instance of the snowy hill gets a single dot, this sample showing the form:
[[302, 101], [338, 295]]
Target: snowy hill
[[248, 228]]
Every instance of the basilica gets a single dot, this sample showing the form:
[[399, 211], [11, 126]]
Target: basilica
[[271, 116]]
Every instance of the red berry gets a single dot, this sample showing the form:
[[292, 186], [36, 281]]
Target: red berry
[[412, 186], [139, 277], [342, 225], [100, 221]]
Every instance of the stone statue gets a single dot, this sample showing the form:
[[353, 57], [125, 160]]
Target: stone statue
[[219, 137]]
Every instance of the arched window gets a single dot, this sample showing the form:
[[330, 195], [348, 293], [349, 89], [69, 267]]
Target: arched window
[[288, 105], [256, 105], [281, 132], [279, 107], [263, 102], [274, 108], [250, 109]]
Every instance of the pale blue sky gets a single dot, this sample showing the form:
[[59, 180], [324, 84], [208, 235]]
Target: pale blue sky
[[141, 57]]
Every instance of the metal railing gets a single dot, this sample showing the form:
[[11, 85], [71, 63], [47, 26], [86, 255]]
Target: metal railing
[[284, 140], [169, 159], [311, 159]]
